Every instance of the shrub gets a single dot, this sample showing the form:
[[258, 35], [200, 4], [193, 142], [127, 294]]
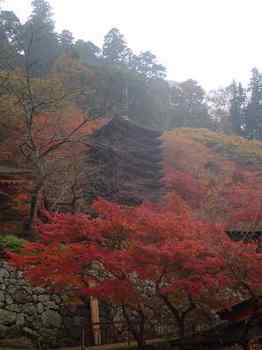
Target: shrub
[[11, 242]]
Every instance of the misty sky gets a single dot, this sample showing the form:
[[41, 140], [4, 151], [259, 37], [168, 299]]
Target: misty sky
[[212, 41]]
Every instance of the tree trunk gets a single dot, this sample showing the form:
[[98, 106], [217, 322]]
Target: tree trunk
[[95, 318], [33, 210], [137, 334]]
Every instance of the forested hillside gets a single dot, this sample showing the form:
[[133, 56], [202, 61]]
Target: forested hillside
[[56, 89], [195, 249], [114, 80], [217, 175]]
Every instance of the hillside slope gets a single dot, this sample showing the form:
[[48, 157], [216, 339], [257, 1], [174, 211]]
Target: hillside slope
[[219, 176]]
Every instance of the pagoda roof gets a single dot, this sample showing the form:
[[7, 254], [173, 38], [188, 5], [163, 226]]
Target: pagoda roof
[[128, 127], [11, 174]]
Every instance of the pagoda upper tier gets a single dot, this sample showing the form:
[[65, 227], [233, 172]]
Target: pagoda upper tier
[[125, 163]]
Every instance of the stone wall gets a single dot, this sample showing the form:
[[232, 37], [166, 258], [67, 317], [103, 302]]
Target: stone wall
[[33, 313]]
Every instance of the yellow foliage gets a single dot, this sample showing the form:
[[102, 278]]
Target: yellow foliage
[[186, 152], [246, 152], [216, 162]]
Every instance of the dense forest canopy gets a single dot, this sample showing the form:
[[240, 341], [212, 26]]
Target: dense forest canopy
[[122, 81]]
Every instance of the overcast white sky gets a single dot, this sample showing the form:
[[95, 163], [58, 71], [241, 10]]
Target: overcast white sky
[[212, 41]]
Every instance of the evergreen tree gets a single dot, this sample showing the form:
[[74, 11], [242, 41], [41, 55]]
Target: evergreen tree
[[41, 45], [188, 106], [254, 107], [115, 50], [87, 52], [237, 107], [66, 41], [218, 110], [10, 37], [146, 65]]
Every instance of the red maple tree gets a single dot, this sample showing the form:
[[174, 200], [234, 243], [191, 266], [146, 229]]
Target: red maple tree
[[139, 258]]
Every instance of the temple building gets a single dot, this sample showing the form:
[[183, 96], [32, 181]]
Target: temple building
[[125, 163]]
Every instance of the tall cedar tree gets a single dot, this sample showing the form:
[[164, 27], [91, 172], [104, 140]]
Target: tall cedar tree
[[40, 39], [254, 108]]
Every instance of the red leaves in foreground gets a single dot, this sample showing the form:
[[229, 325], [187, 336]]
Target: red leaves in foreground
[[126, 255]]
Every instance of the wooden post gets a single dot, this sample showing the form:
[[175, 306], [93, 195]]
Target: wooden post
[[95, 319], [83, 338], [128, 338]]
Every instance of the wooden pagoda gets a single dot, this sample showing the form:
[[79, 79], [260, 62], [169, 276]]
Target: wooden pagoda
[[125, 163]]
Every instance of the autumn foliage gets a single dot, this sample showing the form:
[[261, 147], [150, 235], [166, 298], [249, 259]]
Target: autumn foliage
[[218, 176], [173, 257], [140, 258]]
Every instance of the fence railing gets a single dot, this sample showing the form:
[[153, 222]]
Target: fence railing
[[102, 333]]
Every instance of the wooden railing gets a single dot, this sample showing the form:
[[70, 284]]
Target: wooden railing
[[102, 333]]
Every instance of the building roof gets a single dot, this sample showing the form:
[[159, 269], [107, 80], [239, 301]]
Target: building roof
[[128, 127], [11, 174], [242, 310]]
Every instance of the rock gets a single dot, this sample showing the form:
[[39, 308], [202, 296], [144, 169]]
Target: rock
[[44, 298], [2, 297], [2, 285], [13, 331], [30, 320], [37, 325], [51, 305], [13, 281], [17, 343], [3, 331], [39, 290], [19, 274], [7, 317], [11, 290], [48, 333], [30, 332], [30, 309], [12, 275], [8, 267], [56, 299], [49, 336], [22, 296], [20, 283], [8, 299], [27, 313], [20, 320], [14, 307], [40, 308], [51, 319], [28, 289], [3, 273]]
